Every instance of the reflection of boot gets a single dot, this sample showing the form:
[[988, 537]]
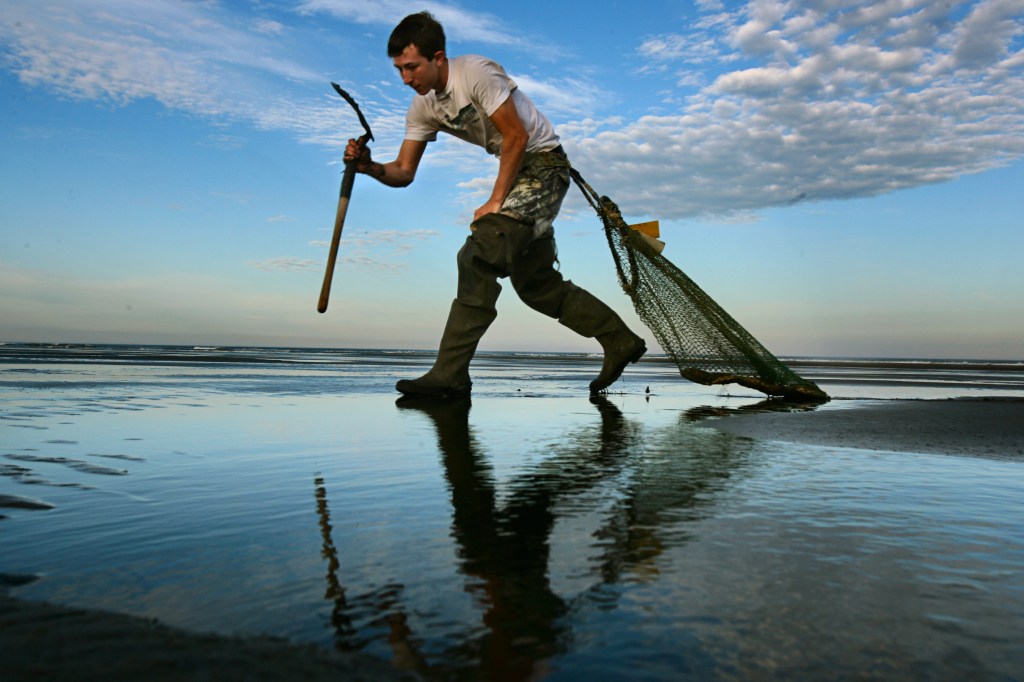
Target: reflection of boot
[[613, 429], [449, 377], [607, 408], [450, 418], [435, 408], [587, 316]]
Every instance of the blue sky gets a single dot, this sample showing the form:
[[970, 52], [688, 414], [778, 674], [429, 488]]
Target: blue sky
[[844, 177]]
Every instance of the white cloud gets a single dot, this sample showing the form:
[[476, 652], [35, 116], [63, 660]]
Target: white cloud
[[985, 34], [378, 249], [563, 96], [367, 262], [398, 240], [772, 102], [761, 34], [284, 263], [702, 43], [710, 5], [458, 23], [671, 47], [191, 57], [123, 50], [849, 100], [268, 26]]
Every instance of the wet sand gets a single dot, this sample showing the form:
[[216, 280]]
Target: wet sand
[[967, 427], [44, 642]]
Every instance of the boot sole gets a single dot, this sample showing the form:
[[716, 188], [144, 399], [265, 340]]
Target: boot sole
[[407, 387], [619, 369]]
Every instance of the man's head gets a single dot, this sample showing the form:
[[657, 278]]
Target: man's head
[[420, 29], [417, 48]]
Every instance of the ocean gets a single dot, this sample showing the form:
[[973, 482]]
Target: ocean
[[531, 533]]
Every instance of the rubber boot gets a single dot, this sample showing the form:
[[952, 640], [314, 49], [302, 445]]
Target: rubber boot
[[583, 313], [449, 377]]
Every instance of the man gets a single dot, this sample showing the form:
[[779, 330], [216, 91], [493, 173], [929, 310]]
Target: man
[[511, 235]]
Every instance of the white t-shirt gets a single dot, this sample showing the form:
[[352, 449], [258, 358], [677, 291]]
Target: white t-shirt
[[476, 88]]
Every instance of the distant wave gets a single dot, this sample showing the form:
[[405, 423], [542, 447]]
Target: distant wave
[[907, 363], [13, 352]]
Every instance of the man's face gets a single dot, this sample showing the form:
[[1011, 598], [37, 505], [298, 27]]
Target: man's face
[[418, 72]]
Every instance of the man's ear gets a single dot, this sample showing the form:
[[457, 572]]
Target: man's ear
[[439, 57]]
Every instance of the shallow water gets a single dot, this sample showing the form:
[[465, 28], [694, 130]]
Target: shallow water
[[532, 533]]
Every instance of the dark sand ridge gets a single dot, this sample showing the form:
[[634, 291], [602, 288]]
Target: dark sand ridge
[[983, 427], [43, 642]]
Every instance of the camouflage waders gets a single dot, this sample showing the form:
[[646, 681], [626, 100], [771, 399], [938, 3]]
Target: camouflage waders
[[519, 243]]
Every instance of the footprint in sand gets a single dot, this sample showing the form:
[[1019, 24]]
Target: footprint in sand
[[126, 458], [78, 464], [15, 502], [16, 579], [29, 477]]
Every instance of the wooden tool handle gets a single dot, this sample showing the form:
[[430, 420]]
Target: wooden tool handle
[[347, 181]]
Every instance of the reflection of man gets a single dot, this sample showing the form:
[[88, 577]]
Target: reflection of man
[[504, 538], [473, 99], [506, 549]]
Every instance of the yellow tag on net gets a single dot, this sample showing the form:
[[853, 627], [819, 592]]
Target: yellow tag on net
[[650, 232], [651, 229]]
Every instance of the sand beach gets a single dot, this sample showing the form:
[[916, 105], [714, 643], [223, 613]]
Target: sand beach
[[968, 427], [272, 514]]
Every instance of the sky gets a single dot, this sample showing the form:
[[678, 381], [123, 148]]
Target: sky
[[844, 177]]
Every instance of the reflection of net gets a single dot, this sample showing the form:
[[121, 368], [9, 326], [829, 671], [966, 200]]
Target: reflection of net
[[702, 339]]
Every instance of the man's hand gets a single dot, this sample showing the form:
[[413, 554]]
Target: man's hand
[[490, 207], [358, 153]]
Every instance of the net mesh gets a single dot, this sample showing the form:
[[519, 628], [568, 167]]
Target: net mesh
[[707, 345]]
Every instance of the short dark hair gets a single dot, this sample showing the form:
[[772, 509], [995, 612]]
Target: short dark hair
[[420, 29]]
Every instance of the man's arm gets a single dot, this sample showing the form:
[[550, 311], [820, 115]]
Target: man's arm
[[513, 146], [398, 173]]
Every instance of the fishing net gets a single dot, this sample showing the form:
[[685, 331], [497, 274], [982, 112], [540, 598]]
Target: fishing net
[[707, 345]]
